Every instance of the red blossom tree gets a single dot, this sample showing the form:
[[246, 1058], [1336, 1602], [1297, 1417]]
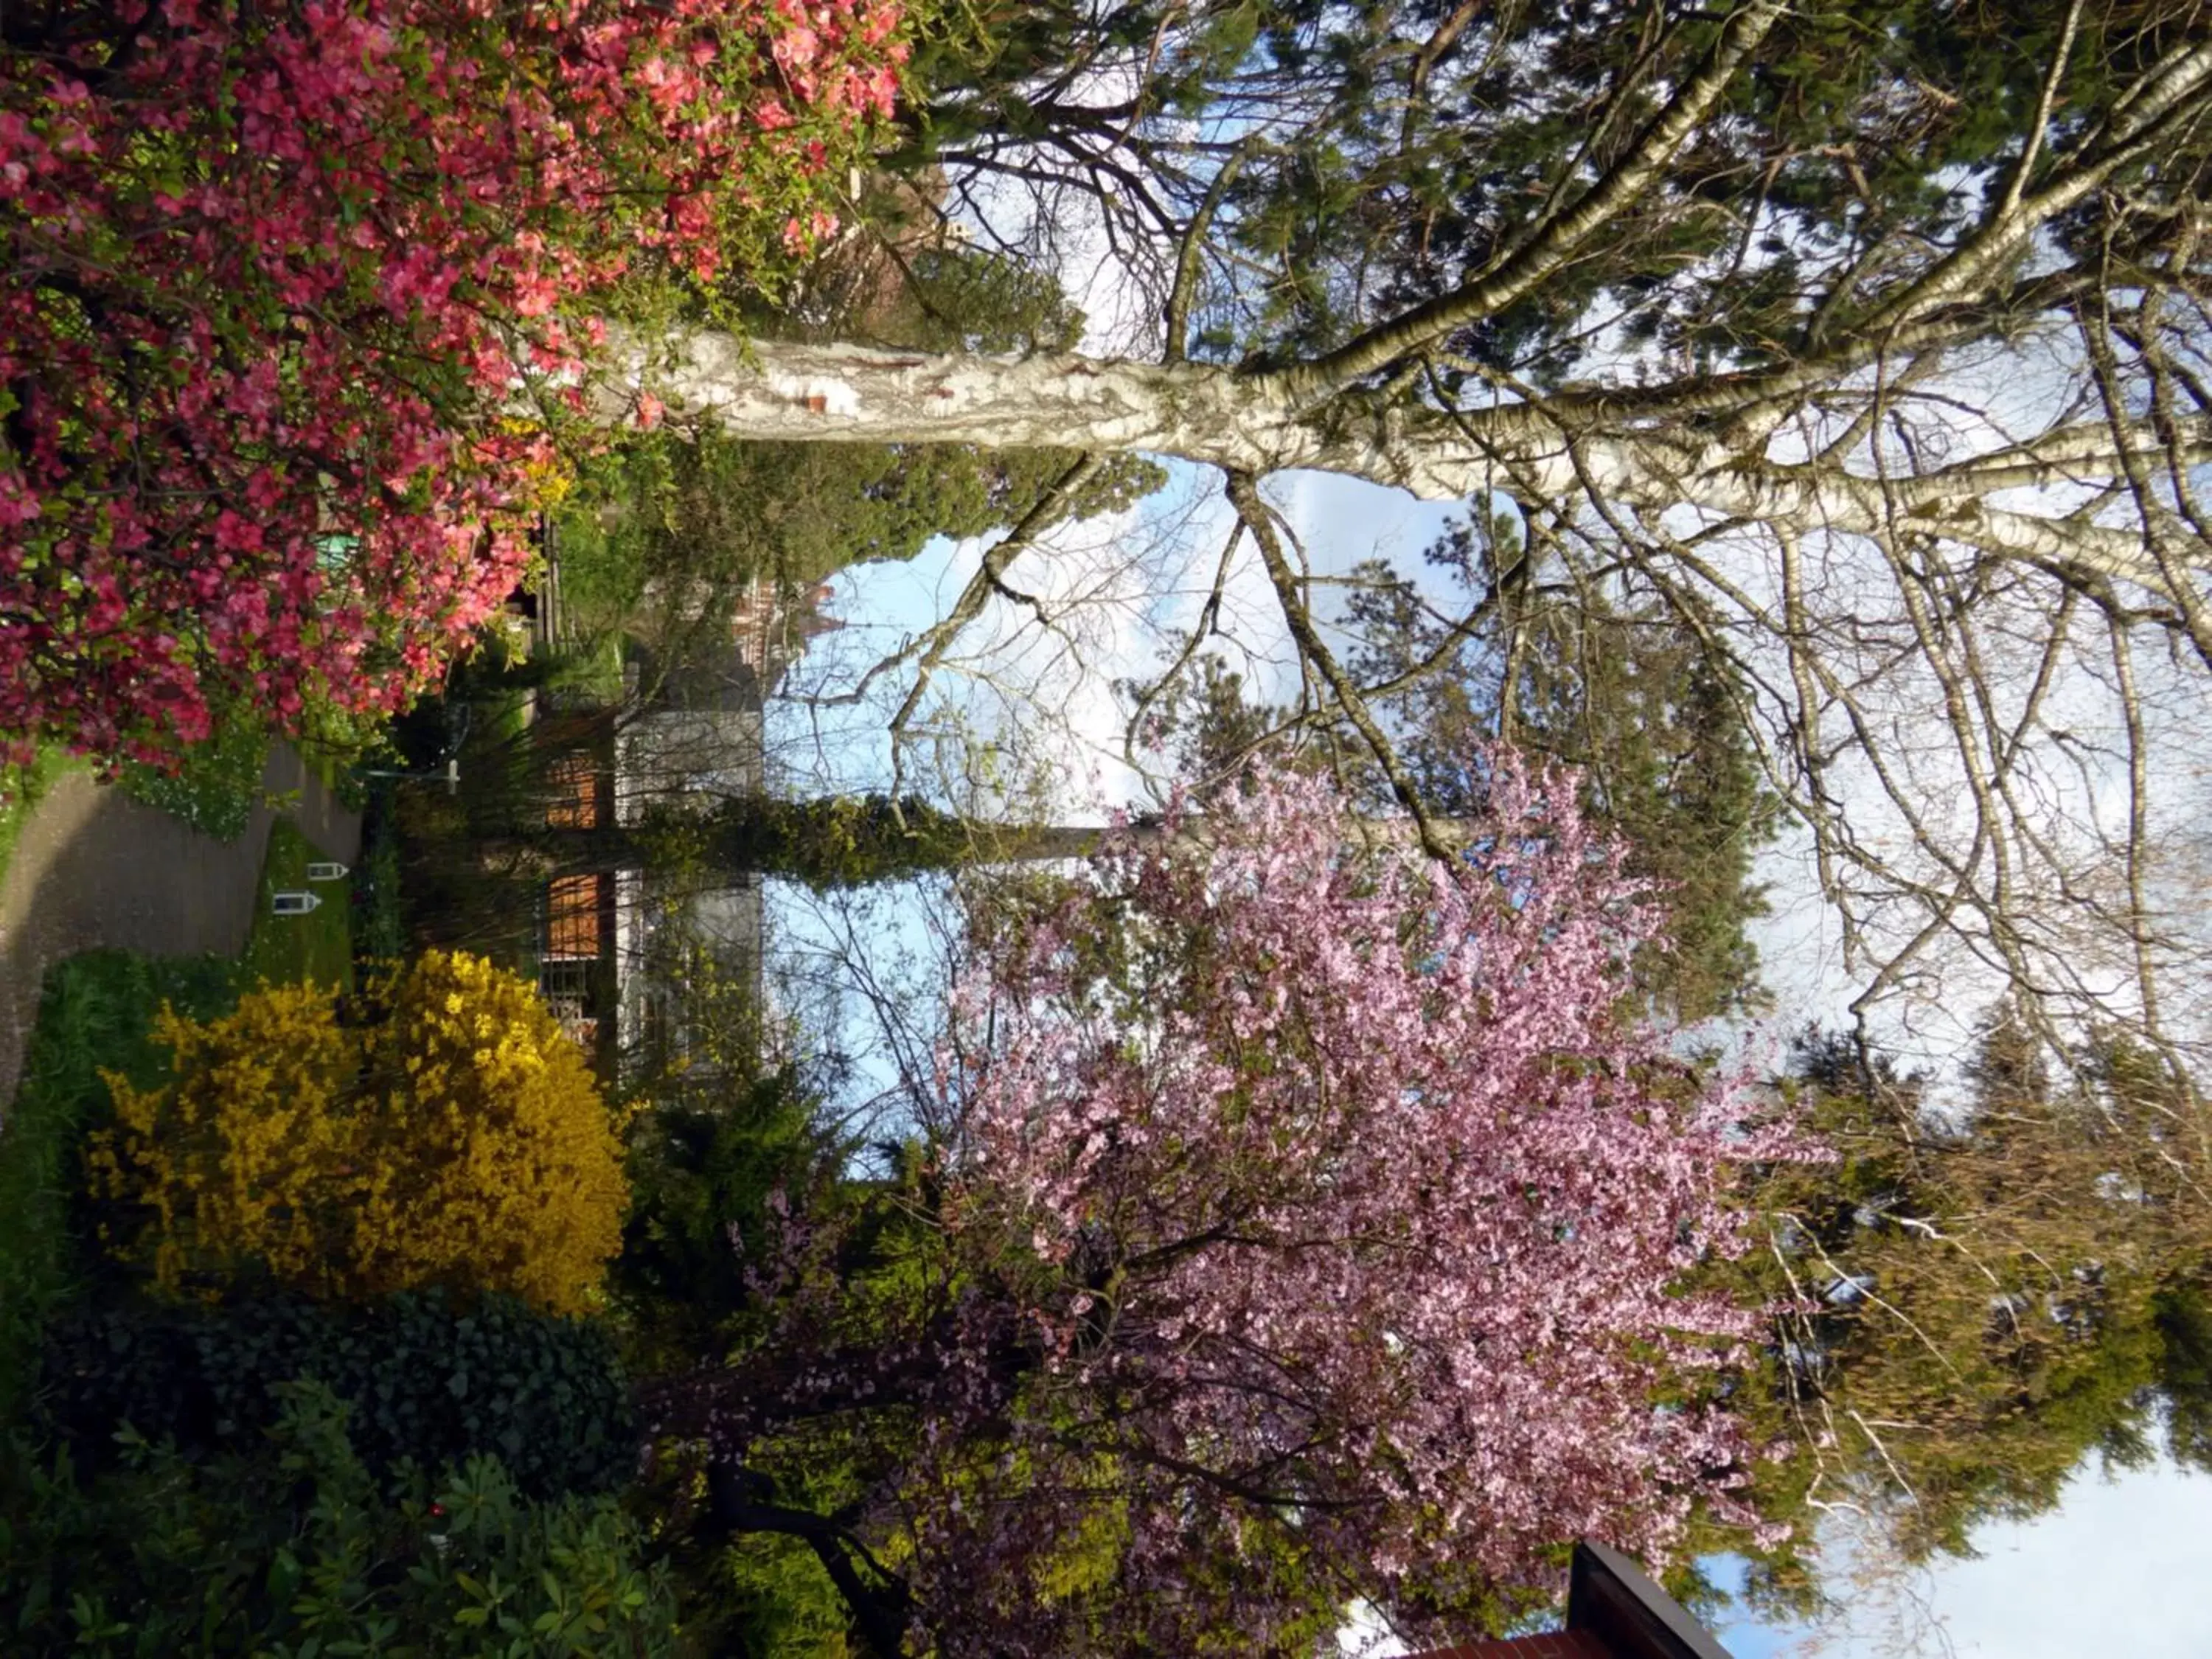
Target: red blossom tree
[[271, 277], [1312, 1229]]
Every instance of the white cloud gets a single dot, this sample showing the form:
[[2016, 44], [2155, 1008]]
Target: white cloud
[[2123, 1566]]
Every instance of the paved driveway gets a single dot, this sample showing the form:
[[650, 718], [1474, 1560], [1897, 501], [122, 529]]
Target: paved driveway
[[93, 867]]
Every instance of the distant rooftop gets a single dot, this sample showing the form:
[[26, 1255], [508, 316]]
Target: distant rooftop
[[1615, 1611]]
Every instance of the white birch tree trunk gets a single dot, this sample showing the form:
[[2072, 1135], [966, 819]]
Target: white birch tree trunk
[[1257, 425], [1969, 653]]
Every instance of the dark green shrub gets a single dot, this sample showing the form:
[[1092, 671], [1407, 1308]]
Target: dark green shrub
[[290, 1549], [380, 926], [702, 1172], [95, 1013], [425, 1382]]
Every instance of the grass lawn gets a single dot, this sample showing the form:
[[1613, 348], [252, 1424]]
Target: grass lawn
[[317, 946], [22, 787], [217, 783], [95, 1014]]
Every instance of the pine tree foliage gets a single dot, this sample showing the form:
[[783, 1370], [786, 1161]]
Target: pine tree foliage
[[1982, 1300]]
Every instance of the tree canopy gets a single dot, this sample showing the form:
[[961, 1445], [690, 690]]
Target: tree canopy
[[1866, 350], [1979, 1298], [1293, 1224], [271, 280]]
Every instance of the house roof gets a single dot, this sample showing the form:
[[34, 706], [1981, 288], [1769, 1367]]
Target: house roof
[[1615, 1611], [1611, 1597]]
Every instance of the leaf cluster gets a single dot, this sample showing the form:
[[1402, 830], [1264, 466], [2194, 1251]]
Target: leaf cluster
[[828, 841], [425, 1380], [1983, 1301], [289, 1549], [704, 1167]]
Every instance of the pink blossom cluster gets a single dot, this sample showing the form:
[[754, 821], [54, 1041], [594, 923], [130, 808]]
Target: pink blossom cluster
[[275, 279], [1358, 1220]]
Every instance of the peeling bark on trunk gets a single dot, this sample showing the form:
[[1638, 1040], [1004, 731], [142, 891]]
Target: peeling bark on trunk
[[769, 389], [1257, 423]]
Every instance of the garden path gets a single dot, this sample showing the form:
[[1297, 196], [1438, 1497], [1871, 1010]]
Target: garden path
[[95, 868]]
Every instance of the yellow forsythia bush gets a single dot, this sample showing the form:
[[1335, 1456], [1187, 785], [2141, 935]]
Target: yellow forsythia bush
[[458, 1139]]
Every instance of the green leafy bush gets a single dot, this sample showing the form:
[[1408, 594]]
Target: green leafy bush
[[701, 1176], [290, 1550], [425, 1381], [217, 785], [95, 1014], [380, 926]]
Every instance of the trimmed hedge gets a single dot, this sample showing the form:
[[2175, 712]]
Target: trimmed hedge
[[425, 1381], [380, 926]]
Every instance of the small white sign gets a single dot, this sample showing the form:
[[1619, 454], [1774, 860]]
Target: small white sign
[[295, 904], [326, 872]]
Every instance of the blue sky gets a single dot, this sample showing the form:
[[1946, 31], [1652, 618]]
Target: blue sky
[[2123, 1566]]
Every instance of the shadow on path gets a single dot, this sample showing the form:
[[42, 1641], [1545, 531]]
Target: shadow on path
[[95, 868]]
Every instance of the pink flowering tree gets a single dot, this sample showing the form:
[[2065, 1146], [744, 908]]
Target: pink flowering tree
[[272, 280], [1310, 1228]]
